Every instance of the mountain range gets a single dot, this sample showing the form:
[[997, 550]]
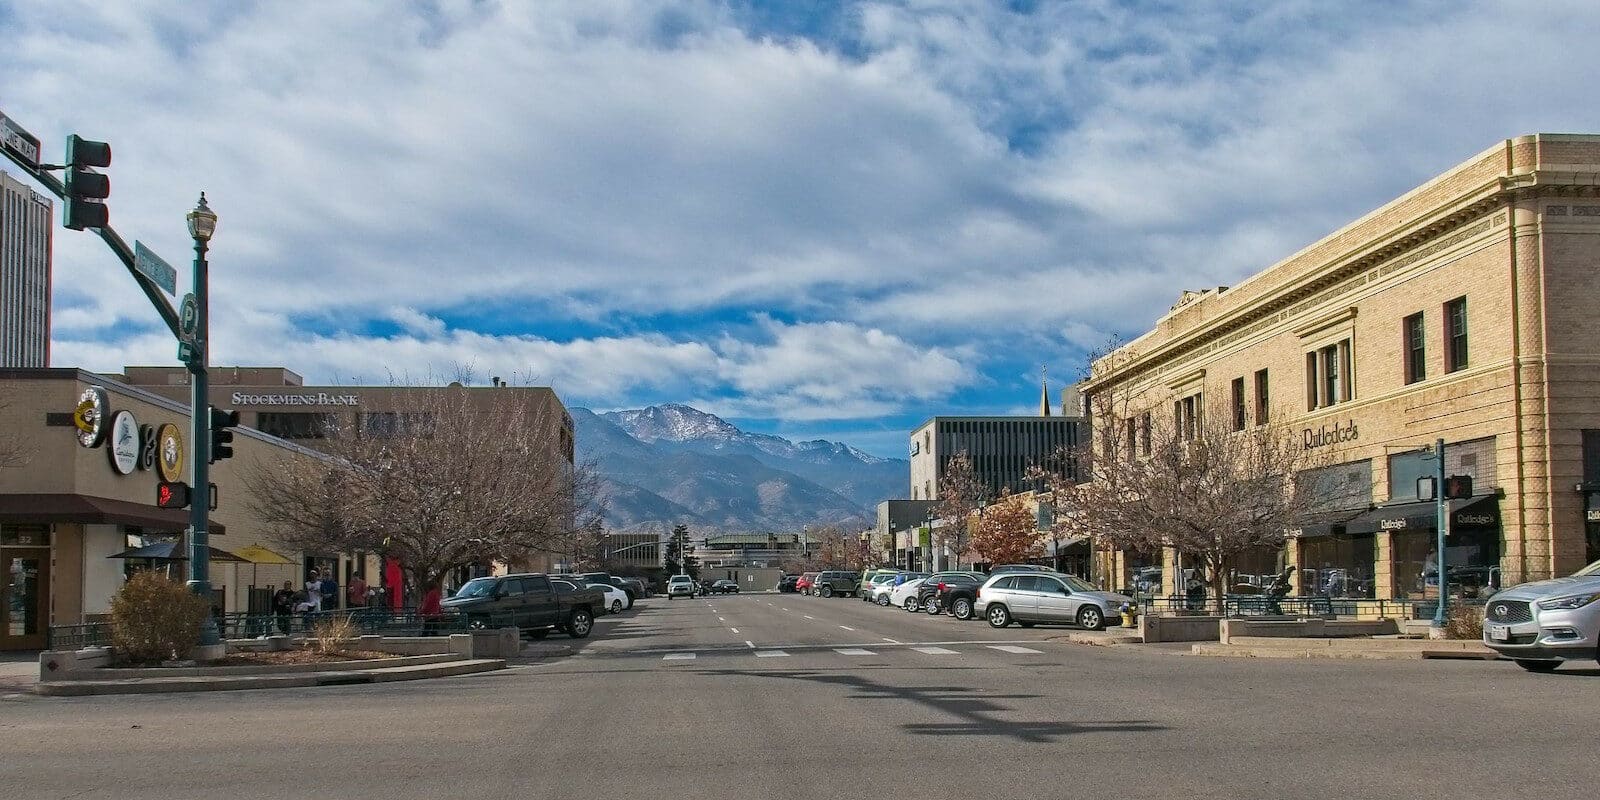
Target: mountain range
[[672, 463]]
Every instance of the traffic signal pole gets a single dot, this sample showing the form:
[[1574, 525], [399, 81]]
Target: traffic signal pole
[[1442, 508], [200, 415]]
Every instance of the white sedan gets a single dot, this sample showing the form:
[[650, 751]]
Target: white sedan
[[905, 595], [616, 599]]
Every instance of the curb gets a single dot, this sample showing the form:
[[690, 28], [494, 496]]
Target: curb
[[162, 685], [1346, 654], [1100, 640]]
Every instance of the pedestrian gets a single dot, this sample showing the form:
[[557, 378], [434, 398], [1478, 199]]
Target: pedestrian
[[283, 602], [330, 591], [305, 608], [314, 591], [431, 611], [357, 591]]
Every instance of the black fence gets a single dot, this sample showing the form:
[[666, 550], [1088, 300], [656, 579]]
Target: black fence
[[1314, 606]]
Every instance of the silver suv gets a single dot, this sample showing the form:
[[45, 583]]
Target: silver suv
[[1543, 623], [1027, 598]]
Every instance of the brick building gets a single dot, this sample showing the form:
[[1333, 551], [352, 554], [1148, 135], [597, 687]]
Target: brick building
[[1463, 310]]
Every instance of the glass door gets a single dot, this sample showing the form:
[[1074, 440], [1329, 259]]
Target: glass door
[[24, 599]]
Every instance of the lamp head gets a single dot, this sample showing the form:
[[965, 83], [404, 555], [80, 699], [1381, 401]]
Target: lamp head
[[202, 221]]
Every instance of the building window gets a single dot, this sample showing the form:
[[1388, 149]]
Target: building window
[[1238, 404], [1261, 397], [1415, 345], [1330, 376], [286, 425], [1186, 416], [1455, 334], [1144, 434]]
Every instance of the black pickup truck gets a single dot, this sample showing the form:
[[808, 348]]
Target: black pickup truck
[[533, 602]]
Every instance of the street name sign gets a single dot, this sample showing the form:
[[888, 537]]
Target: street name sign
[[18, 141], [154, 267]]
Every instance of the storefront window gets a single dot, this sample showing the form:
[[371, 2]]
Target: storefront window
[[1253, 570], [1472, 556], [1338, 566]]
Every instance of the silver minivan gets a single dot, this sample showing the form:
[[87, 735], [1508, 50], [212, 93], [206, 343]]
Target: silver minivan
[[1543, 623], [1027, 598]]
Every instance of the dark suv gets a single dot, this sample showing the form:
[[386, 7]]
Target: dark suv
[[532, 602], [938, 591], [832, 583]]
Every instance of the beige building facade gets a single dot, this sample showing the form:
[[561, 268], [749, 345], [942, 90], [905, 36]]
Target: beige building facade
[[1464, 310]]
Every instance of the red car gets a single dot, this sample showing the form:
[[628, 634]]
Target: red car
[[803, 585]]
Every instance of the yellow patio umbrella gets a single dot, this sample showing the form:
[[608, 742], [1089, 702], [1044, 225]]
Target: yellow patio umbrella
[[257, 555]]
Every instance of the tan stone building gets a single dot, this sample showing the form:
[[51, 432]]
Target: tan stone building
[[67, 511], [1463, 310]]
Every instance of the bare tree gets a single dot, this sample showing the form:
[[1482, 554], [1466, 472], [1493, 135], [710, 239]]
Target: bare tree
[[463, 477], [1007, 532], [1199, 486], [835, 548], [960, 494]]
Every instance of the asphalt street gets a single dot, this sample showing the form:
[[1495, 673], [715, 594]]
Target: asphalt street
[[784, 696]]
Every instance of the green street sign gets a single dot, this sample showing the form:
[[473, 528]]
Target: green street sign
[[187, 352], [154, 267], [188, 316]]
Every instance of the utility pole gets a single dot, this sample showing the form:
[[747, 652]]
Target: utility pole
[[1442, 508]]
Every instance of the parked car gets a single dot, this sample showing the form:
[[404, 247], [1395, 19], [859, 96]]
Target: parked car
[[803, 585], [957, 595], [682, 586], [905, 595], [633, 586], [616, 599], [531, 602], [1046, 597], [836, 582], [877, 591], [1541, 624], [725, 586], [928, 593], [788, 583], [871, 575]]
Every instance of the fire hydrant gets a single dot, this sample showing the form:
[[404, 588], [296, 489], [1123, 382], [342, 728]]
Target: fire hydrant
[[1130, 616]]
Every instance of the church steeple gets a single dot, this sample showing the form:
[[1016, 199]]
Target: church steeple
[[1044, 390]]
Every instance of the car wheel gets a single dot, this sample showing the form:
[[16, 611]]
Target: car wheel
[[883, 600], [999, 617], [616, 606], [961, 608], [580, 623], [910, 604], [1537, 666], [932, 607], [827, 591], [1090, 618]]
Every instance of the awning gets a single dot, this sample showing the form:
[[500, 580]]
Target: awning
[[1323, 523], [165, 551], [1481, 511], [89, 510]]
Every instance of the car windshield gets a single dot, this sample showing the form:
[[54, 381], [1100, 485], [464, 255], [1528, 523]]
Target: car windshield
[[1078, 584], [477, 587], [1589, 571]]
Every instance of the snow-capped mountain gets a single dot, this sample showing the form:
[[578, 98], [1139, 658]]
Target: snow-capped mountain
[[677, 461]]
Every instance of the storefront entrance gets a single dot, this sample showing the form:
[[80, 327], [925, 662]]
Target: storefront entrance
[[24, 598]]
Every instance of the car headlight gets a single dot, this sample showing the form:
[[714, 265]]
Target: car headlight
[[1566, 603]]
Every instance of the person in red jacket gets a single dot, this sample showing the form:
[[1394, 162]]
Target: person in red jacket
[[431, 611]]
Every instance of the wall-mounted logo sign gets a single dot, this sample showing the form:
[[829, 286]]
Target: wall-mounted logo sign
[[124, 449], [90, 416], [1327, 435], [314, 399], [169, 452], [1463, 518], [147, 447], [1392, 524]]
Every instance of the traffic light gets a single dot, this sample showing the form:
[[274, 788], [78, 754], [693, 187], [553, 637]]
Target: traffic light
[[221, 437], [172, 494], [86, 190], [1458, 487]]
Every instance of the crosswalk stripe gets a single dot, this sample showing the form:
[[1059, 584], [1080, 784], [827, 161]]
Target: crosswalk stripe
[[1011, 648], [772, 654], [852, 651], [678, 657], [934, 651]]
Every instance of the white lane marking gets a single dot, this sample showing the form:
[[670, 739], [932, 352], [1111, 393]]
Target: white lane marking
[[720, 619], [934, 651], [786, 609], [750, 644], [1011, 648], [808, 616], [852, 651], [678, 657], [847, 627], [772, 654], [891, 641], [735, 630]]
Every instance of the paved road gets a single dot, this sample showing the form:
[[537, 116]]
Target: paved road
[[788, 696]]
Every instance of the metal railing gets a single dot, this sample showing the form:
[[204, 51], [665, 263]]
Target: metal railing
[[385, 622], [1316, 605]]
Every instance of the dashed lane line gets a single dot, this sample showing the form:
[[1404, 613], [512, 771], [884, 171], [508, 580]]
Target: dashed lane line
[[935, 651], [771, 654], [847, 627], [678, 657], [852, 651], [735, 630], [1011, 648]]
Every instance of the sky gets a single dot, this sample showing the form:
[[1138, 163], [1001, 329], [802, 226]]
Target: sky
[[818, 218]]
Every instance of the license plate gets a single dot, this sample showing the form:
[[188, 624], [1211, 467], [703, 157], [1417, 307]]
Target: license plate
[[1500, 633]]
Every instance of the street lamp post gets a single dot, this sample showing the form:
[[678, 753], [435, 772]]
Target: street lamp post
[[202, 223], [929, 560], [1442, 509]]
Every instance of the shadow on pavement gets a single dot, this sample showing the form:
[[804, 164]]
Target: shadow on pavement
[[977, 714]]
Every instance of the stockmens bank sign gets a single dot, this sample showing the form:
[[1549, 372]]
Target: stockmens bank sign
[[309, 399]]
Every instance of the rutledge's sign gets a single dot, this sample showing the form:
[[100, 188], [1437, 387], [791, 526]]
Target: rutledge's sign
[[1330, 435], [316, 399]]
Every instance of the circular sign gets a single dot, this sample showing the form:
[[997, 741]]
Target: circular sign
[[169, 452], [90, 416], [124, 442], [189, 316]]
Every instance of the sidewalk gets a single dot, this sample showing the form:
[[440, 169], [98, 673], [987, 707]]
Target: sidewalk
[[1355, 648], [18, 672]]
